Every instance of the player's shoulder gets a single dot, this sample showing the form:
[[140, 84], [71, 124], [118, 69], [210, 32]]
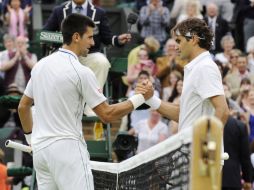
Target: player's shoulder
[[84, 70], [208, 62]]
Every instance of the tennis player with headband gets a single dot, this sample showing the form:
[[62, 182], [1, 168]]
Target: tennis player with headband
[[203, 92], [59, 88]]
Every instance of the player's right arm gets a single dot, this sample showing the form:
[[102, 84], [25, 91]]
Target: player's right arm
[[109, 113], [25, 113]]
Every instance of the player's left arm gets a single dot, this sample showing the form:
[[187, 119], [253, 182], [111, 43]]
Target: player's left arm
[[221, 107]]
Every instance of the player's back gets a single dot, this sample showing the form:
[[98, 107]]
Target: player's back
[[58, 101]]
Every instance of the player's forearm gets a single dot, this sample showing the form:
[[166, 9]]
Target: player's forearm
[[25, 115], [222, 113], [117, 111], [169, 110]]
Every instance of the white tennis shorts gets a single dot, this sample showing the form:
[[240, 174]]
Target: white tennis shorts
[[63, 165]]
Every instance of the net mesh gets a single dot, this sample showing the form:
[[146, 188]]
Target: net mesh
[[163, 167]]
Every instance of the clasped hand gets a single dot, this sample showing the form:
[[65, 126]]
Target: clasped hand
[[145, 88]]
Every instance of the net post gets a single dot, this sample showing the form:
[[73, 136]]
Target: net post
[[205, 170]]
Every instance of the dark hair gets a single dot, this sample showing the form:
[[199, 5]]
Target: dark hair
[[143, 72], [174, 93], [245, 80], [75, 23], [195, 26]]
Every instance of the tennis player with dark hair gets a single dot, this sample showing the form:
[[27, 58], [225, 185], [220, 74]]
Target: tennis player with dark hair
[[203, 92], [59, 88]]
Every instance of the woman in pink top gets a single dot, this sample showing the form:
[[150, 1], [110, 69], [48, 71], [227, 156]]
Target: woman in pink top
[[17, 18]]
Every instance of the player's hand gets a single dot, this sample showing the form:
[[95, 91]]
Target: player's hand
[[146, 88], [124, 38]]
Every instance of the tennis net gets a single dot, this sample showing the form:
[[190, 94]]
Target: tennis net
[[165, 166]]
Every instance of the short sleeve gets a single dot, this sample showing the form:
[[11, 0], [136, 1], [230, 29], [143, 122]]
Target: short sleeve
[[29, 89], [209, 82], [93, 94]]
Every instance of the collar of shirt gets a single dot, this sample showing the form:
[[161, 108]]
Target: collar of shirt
[[196, 60], [212, 20], [84, 6], [62, 50]]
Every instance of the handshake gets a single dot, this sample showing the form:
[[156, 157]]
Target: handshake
[[144, 93]]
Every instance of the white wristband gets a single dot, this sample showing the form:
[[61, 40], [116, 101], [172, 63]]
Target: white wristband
[[154, 102], [137, 100], [28, 138]]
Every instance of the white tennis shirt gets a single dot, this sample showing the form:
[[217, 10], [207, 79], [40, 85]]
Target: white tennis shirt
[[202, 80], [60, 87]]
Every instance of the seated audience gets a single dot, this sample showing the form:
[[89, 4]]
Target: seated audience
[[150, 44], [250, 51], [9, 45], [234, 79], [141, 112], [218, 25], [154, 19], [227, 43], [150, 131], [18, 64], [192, 9], [17, 18], [167, 63], [174, 76]]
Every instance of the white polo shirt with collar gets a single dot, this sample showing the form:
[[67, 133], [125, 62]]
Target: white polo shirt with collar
[[202, 80], [60, 87]]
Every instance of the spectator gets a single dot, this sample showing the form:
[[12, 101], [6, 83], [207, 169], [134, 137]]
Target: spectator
[[227, 43], [218, 25], [9, 44], [154, 19], [149, 131], [250, 51], [236, 144], [150, 44], [142, 112], [225, 8], [175, 98], [232, 103], [178, 8], [243, 18], [192, 9], [141, 3], [234, 79], [4, 180], [250, 112], [174, 76], [233, 56], [18, 64], [95, 60], [144, 64], [17, 18], [242, 99], [167, 63]]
